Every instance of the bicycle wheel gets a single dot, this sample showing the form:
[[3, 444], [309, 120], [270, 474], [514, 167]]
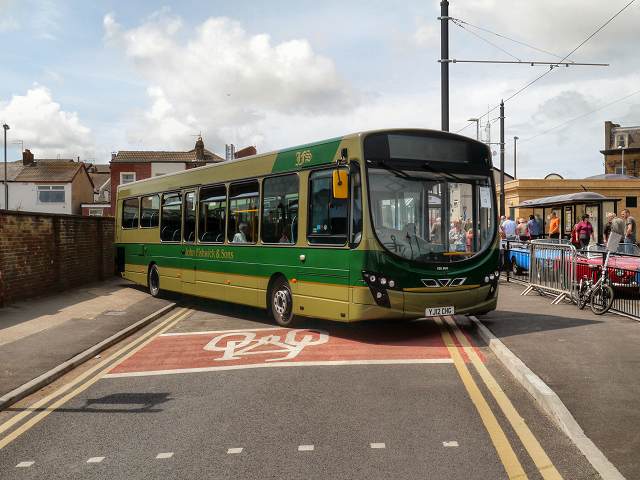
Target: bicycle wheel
[[602, 299], [583, 296]]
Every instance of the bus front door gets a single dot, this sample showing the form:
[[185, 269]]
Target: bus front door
[[323, 284]]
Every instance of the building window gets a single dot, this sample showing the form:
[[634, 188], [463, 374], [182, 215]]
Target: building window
[[51, 194], [632, 202], [95, 212], [621, 170], [127, 178], [622, 140]]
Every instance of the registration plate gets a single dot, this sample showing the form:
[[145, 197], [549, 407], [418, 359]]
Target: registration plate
[[434, 312]]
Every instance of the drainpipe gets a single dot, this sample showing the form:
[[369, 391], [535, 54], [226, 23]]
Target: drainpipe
[[102, 189]]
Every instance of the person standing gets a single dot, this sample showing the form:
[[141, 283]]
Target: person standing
[[554, 226], [585, 231], [509, 229], [522, 230], [630, 229], [606, 229], [532, 224], [436, 231], [617, 225]]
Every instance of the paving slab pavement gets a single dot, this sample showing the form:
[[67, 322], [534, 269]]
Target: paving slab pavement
[[40, 337], [591, 362]]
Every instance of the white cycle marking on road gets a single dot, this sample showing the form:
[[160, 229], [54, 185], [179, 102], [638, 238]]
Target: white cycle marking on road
[[24, 464], [96, 459], [234, 450], [234, 350], [165, 455], [378, 445], [305, 448]]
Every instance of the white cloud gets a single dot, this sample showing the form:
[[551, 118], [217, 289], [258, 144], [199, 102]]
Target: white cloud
[[45, 128], [222, 78]]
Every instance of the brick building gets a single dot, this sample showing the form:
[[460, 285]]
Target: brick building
[[621, 144], [130, 166]]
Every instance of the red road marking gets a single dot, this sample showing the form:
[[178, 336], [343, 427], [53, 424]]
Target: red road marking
[[420, 341]]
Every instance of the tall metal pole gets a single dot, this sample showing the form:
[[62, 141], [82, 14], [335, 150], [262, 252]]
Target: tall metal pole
[[515, 139], [502, 201], [444, 63], [6, 185]]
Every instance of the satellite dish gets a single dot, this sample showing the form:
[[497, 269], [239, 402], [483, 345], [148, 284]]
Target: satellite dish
[[494, 153]]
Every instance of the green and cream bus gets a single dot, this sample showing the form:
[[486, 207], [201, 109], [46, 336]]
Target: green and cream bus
[[375, 225]]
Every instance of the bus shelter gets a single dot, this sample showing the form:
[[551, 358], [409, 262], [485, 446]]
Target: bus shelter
[[569, 208]]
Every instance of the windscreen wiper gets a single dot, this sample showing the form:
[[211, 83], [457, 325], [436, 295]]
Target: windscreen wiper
[[426, 166], [400, 173]]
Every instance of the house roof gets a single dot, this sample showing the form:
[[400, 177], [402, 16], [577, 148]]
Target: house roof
[[43, 172], [633, 136], [167, 157], [582, 197], [13, 169], [99, 179]]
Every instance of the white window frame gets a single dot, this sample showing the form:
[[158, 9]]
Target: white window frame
[[96, 212], [51, 188], [122, 174], [621, 170], [622, 136]]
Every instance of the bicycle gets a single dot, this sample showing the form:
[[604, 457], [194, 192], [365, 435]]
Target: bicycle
[[598, 294]]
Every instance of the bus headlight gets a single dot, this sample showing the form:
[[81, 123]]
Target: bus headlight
[[378, 285], [381, 297], [373, 279]]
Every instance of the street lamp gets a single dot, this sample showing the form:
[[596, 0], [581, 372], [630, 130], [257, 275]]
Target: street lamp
[[515, 139], [622, 148], [6, 185], [477, 120]]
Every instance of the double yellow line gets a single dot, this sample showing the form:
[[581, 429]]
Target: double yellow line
[[102, 368], [505, 451]]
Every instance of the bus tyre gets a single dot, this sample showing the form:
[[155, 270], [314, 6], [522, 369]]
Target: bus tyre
[[154, 281], [282, 304]]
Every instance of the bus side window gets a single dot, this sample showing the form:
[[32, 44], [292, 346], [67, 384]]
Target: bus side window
[[130, 213], [212, 217], [150, 211], [280, 209], [171, 222], [244, 204], [190, 217]]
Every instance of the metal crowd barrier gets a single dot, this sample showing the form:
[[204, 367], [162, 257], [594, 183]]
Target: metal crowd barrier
[[556, 269], [553, 268], [626, 291]]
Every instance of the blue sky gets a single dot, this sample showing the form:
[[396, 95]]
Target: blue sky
[[83, 79]]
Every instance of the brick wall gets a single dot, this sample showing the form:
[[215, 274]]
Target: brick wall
[[42, 254]]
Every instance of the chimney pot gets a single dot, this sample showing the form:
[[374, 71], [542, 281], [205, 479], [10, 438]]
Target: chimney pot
[[27, 157]]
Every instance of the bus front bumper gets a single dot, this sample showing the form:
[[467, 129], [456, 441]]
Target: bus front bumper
[[409, 305]]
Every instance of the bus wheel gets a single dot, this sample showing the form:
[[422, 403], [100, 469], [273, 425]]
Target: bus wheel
[[282, 304], [154, 281]]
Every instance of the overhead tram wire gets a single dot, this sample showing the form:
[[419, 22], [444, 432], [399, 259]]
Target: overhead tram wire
[[557, 64], [459, 22]]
